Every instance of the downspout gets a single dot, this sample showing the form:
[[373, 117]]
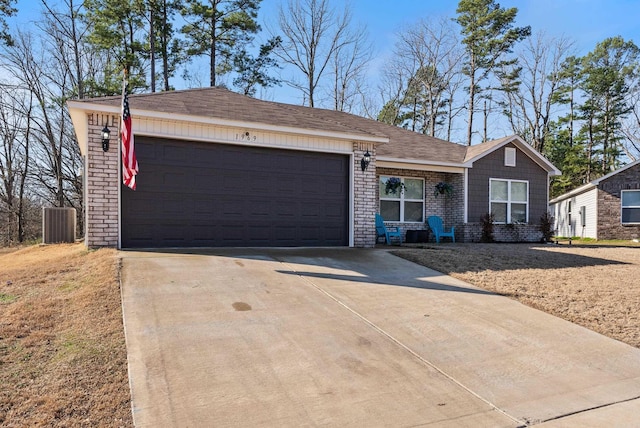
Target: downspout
[[466, 195]]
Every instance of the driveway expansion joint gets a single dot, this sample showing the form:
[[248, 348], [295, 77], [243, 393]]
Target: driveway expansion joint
[[577, 412], [388, 336]]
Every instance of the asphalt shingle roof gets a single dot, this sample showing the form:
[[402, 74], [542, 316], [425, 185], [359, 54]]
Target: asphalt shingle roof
[[220, 103], [224, 104]]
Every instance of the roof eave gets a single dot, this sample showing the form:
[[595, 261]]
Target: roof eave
[[611, 174], [577, 191], [541, 160], [84, 107], [387, 161]]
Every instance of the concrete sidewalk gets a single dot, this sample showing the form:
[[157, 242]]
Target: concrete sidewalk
[[348, 337]]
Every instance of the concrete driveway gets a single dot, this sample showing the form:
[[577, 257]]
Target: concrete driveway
[[352, 337]]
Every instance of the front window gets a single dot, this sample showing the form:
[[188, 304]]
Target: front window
[[630, 206], [402, 202], [509, 201]]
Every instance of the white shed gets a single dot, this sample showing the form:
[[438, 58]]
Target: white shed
[[605, 208], [576, 212]]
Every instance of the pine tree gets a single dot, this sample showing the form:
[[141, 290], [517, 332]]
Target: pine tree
[[5, 10], [606, 75], [219, 29], [488, 35], [117, 29]]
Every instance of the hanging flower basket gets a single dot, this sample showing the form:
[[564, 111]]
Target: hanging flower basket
[[443, 188], [393, 186]]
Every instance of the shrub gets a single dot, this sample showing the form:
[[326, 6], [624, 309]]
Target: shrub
[[546, 226], [487, 228]]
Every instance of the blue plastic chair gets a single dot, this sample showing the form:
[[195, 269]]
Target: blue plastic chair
[[388, 233], [435, 223]]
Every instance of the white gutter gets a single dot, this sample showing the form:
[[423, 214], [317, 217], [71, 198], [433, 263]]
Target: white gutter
[[78, 111], [419, 164]]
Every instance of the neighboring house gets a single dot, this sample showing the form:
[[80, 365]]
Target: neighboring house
[[606, 208], [221, 169]]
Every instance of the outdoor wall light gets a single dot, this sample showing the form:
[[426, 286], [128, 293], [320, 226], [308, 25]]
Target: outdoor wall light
[[364, 162], [106, 134]]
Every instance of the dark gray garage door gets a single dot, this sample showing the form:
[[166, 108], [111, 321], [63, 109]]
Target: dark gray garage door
[[193, 194]]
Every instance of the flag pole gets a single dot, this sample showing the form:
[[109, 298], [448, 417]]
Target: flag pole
[[119, 173]]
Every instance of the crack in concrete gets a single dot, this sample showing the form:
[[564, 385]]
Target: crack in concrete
[[577, 412]]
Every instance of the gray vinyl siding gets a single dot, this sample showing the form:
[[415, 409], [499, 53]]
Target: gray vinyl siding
[[492, 166]]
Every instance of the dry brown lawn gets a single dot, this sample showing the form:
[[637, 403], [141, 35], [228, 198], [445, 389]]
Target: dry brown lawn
[[596, 286], [62, 348], [63, 359]]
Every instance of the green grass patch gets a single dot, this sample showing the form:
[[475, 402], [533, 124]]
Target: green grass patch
[[7, 298], [592, 241]]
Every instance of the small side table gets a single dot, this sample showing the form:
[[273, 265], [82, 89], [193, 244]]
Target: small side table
[[417, 236]]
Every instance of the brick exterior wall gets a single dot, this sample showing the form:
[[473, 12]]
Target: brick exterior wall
[[472, 232], [610, 205], [365, 203], [451, 209], [101, 184]]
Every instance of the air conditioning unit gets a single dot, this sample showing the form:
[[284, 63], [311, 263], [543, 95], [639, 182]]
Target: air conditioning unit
[[58, 225]]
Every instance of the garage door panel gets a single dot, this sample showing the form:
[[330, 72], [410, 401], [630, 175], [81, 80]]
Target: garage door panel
[[175, 154], [286, 210], [333, 211], [203, 209], [230, 209], [202, 194], [260, 210]]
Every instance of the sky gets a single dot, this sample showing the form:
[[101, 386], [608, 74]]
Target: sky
[[587, 22]]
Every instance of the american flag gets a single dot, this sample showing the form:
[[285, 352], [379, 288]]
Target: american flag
[[129, 161]]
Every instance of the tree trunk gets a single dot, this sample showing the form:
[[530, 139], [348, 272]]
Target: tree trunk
[[486, 115], [472, 94], [212, 63], [590, 149], [76, 53], [165, 48], [152, 44]]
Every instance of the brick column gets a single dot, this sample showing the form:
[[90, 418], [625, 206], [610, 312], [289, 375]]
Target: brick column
[[101, 183], [365, 203]]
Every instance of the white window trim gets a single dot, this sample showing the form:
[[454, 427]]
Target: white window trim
[[509, 202], [622, 207], [402, 199]]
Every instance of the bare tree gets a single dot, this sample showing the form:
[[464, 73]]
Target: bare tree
[[394, 79], [425, 72], [631, 126], [56, 156], [66, 33], [529, 101], [348, 67], [11, 160], [313, 35]]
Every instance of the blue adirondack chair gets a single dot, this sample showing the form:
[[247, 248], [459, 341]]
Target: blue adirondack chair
[[388, 233], [435, 223]]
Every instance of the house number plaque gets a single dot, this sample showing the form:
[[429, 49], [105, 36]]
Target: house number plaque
[[246, 136]]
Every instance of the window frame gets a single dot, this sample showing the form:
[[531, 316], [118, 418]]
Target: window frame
[[401, 199], [509, 202], [630, 207]]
